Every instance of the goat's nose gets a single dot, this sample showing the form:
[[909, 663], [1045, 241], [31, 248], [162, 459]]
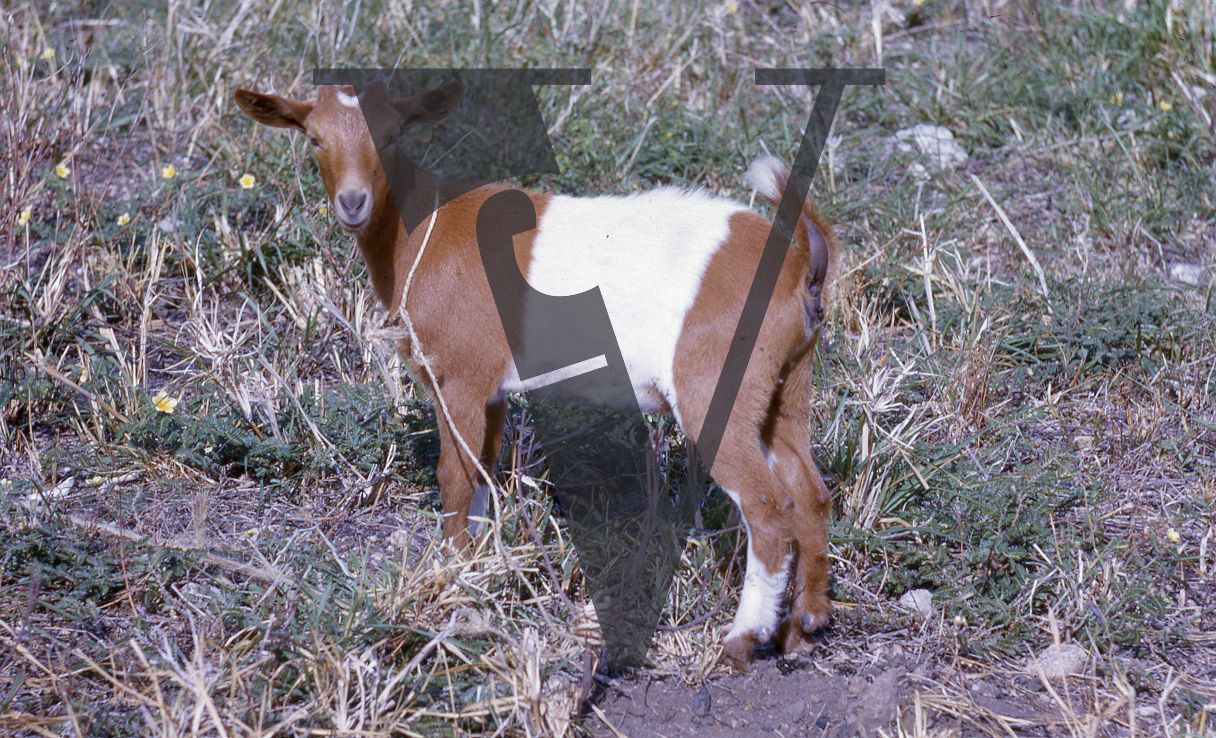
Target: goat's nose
[[352, 201]]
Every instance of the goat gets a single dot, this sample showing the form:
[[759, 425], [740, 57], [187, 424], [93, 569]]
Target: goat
[[674, 267]]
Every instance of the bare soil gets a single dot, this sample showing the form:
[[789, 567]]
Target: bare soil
[[851, 692]]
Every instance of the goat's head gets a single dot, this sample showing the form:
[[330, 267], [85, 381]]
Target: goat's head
[[345, 148]]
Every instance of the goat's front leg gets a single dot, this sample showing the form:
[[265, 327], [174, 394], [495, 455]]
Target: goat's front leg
[[809, 606], [743, 473], [463, 489]]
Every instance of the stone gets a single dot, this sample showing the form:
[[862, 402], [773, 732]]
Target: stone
[[935, 143], [876, 705], [399, 540], [1059, 660], [919, 601], [1189, 274]]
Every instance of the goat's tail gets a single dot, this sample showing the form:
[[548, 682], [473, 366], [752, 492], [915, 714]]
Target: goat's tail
[[768, 176]]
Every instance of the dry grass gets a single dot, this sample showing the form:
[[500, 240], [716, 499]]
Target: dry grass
[[1040, 452]]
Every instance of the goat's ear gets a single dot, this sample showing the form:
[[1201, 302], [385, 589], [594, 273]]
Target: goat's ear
[[272, 110], [431, 106]]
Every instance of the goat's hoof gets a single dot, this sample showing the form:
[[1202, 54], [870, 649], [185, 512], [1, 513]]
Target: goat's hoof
[[794, 632], [811, 622], [790, 637], [740, 651]]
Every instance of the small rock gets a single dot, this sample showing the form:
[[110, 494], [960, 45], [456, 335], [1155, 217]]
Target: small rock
[[701, 701], [1191, 274], [167, 224], [876, 705], [399, 539], [1059, 660], [934, 142], [468, 622], [919, 601]]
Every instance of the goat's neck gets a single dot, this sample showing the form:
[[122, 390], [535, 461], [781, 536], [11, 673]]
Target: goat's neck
[[384, 244], [387, 246]]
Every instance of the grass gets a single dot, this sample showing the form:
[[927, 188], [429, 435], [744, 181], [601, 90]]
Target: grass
[[264, 559]]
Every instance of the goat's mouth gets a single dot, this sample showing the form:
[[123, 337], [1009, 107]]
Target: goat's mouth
[[352, 224]]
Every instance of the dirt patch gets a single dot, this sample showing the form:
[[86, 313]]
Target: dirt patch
[[780, 697]]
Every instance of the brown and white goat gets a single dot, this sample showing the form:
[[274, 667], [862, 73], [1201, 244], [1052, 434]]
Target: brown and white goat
[[674, 268]]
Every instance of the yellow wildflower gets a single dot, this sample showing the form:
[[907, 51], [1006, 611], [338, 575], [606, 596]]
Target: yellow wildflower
[[96, 480], [168, 171], [1172, 535], [48, 54], [918, 3], [1165, 106], [960, 621], [124, 219], [62, 170], [732, 7], [323, 209], [22, 62], [164, 403], [24, 217], [247, 181], [1116, 97]]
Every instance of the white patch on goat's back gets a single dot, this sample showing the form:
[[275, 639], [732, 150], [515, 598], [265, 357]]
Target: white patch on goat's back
[[647, 254], [760, 599], [350, 101]]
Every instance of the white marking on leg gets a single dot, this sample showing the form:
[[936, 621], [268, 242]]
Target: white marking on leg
[[762, 591], [478, 508], [350, 101]]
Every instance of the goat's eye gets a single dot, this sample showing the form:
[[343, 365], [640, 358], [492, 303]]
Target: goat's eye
[[313, 140]]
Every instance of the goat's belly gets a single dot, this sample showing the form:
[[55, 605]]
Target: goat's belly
[[646, 254]]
